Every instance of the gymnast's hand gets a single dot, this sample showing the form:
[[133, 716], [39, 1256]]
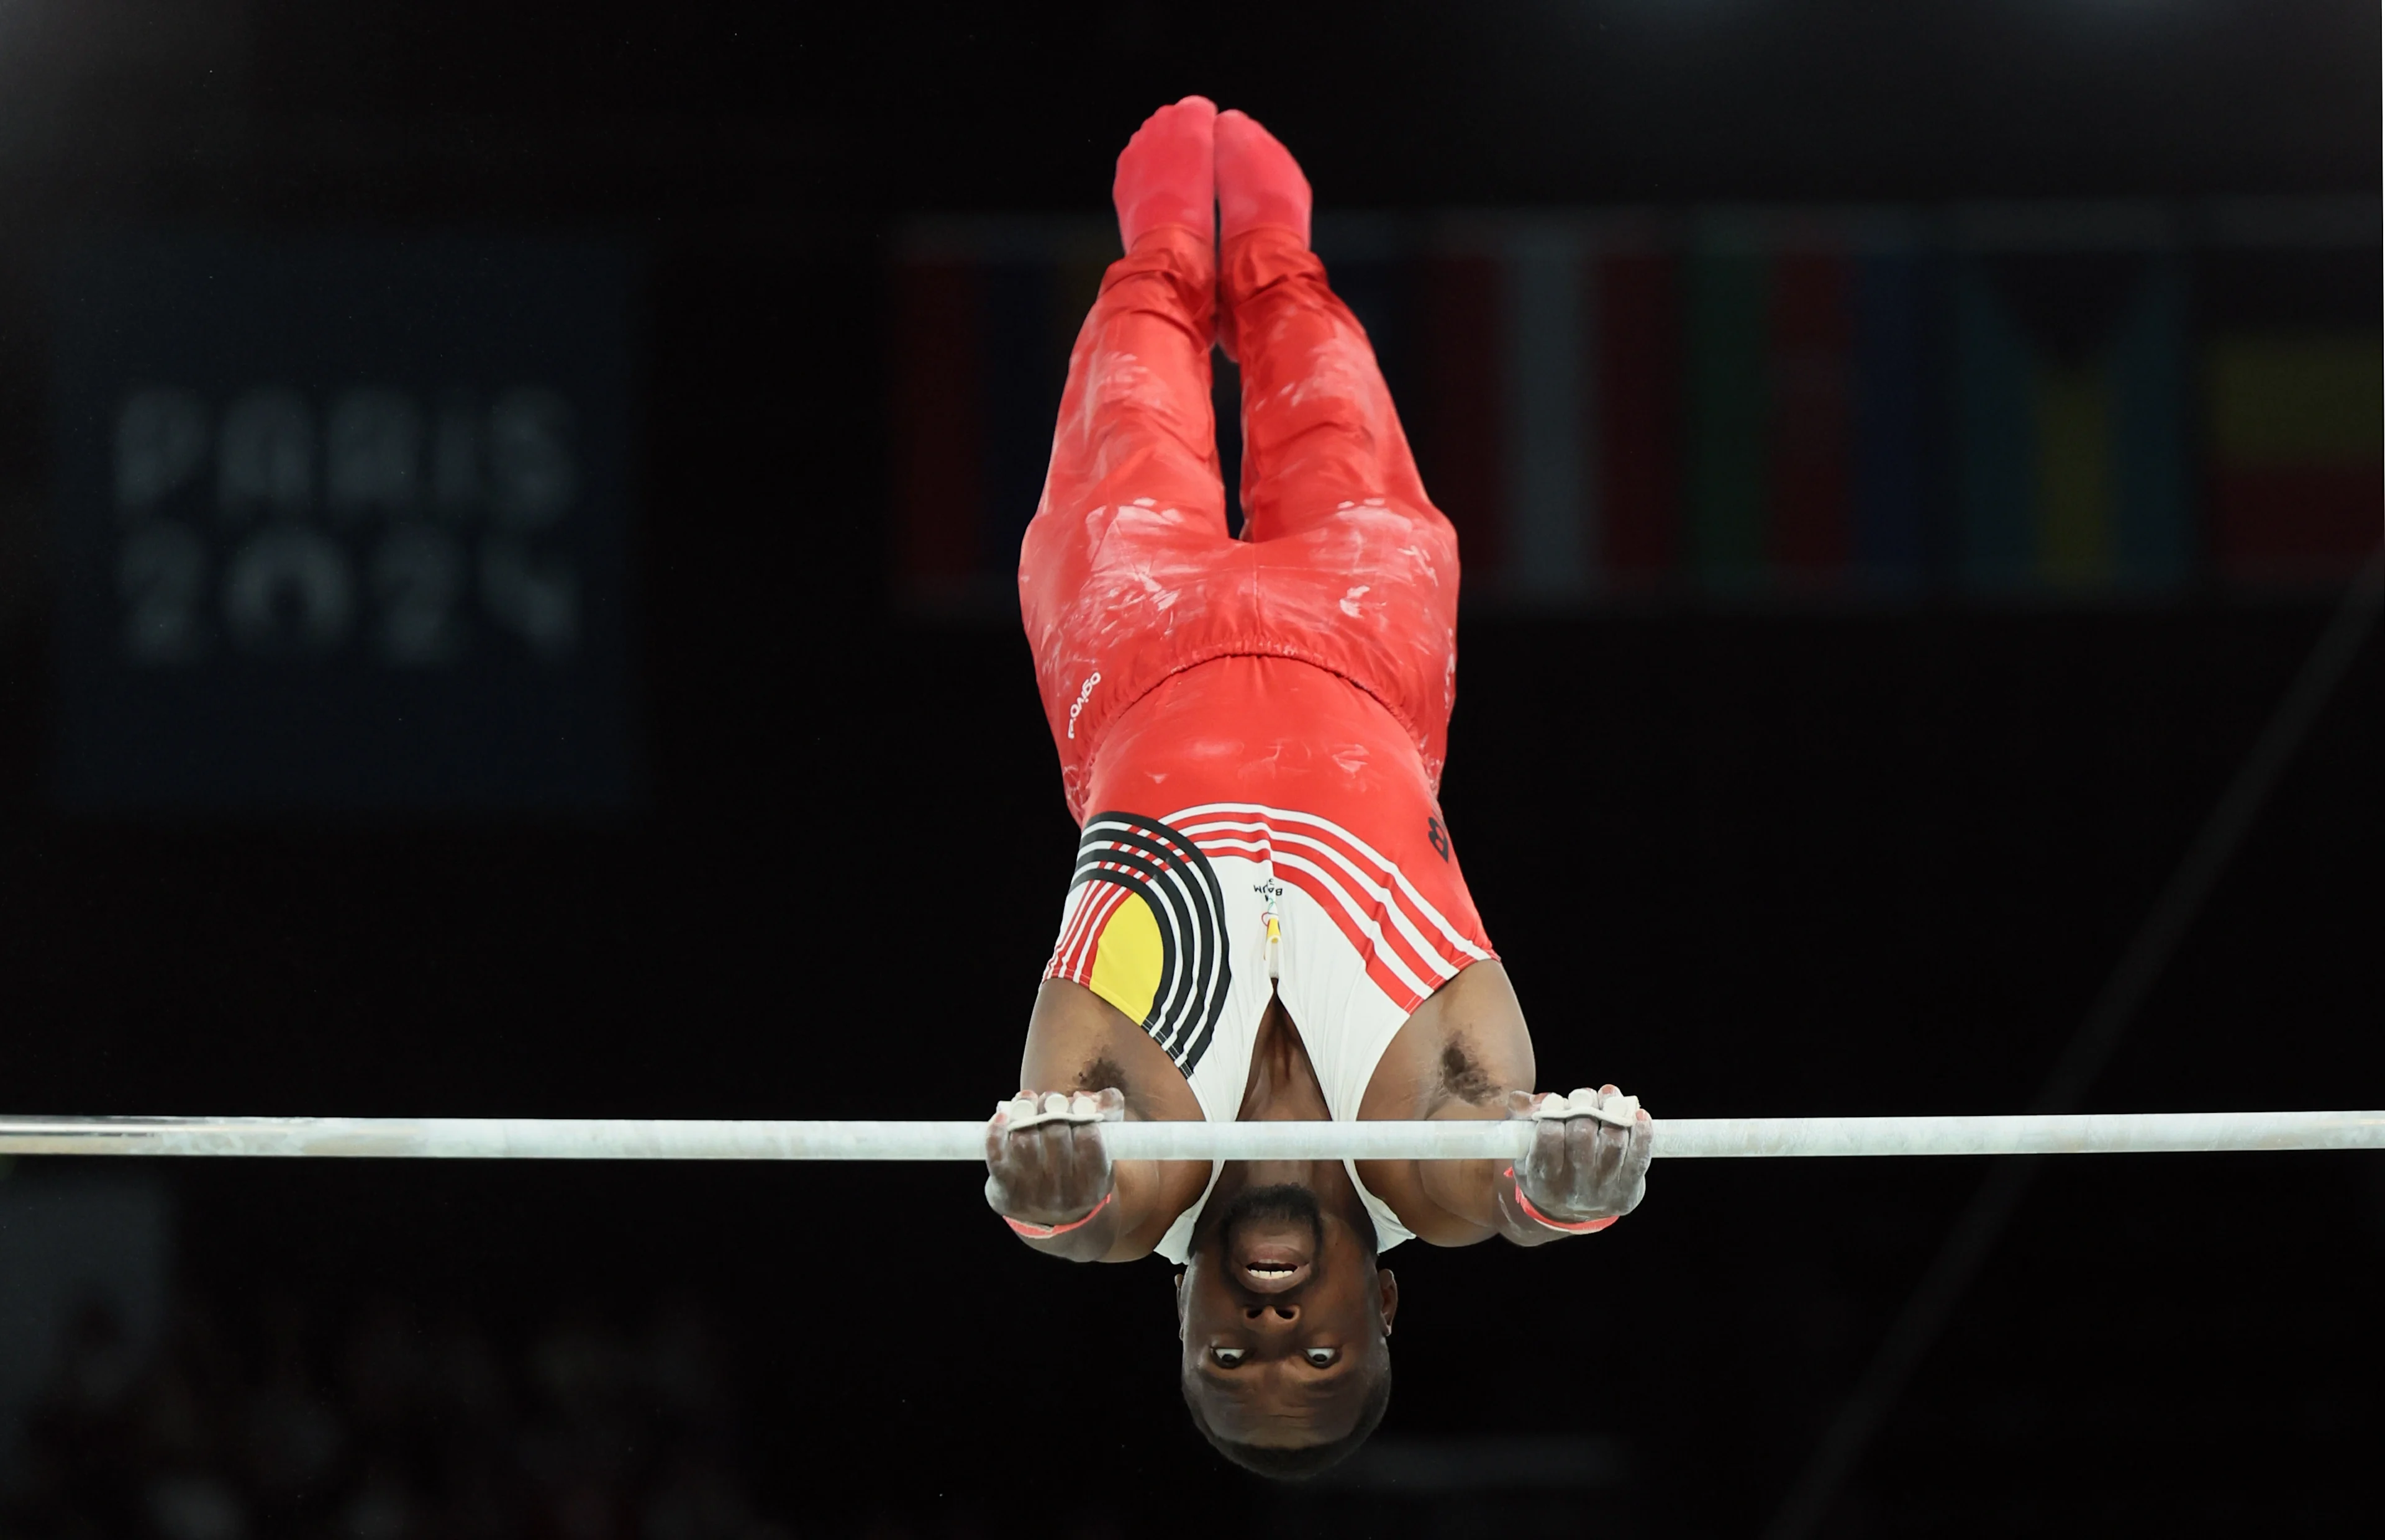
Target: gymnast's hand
[[1044, 1162], [1582, 1167]]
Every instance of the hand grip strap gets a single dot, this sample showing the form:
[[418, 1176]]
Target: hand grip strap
[[1584, 1227], [1046, 1232]]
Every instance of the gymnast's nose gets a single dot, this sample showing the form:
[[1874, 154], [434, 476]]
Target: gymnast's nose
[[1279, 1316]]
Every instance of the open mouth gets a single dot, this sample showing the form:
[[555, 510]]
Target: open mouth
[[1271, 1267]]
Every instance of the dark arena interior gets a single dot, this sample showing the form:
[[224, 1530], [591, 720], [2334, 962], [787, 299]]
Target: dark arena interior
[[508, 523]]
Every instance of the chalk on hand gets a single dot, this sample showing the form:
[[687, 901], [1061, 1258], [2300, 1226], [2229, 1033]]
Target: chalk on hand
[[1027, 1112], [1620, 1109]]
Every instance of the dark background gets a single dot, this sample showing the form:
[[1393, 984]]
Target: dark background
[[1739, 859]]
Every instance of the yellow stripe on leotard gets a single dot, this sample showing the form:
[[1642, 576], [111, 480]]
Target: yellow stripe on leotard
[[1126, 959]]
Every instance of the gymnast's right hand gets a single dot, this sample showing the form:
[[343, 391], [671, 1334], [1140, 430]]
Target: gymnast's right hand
[[1044, 1162]]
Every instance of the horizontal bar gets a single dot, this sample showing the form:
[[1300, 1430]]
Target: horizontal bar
[[2027, 1134], [1675, 1138]]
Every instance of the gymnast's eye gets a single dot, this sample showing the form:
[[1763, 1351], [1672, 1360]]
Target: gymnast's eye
[[1227, 1357], [1323, 1357]]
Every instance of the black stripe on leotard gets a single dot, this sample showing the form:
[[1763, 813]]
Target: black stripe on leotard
[[1180, 888]]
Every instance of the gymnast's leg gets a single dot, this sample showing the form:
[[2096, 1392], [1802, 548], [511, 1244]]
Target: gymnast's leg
[[1133, 486], [1362, 568], [1320, 435]]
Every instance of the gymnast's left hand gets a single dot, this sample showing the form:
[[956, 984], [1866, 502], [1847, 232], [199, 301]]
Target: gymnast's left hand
[[1581, 1167]]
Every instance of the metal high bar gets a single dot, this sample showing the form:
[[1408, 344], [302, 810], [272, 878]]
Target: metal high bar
[[696, 1139]]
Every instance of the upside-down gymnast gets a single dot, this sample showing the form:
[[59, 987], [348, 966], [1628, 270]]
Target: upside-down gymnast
[[1267, 919]]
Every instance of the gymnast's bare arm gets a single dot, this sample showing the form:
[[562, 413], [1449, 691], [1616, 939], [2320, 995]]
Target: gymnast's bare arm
[[1053, 1175], [1467, 1053]]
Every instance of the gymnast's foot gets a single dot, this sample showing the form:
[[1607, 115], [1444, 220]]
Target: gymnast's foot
[[1258, 183], [1167, 174]]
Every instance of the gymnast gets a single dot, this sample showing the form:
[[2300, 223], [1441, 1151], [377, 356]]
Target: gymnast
[[1267, 919]]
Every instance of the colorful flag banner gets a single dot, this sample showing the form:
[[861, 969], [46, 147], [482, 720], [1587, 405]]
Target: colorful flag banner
[[2046, 405], [2295, 442]]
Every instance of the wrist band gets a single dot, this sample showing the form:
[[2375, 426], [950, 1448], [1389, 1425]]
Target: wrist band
[[1583, 1227], [1046, 1232]]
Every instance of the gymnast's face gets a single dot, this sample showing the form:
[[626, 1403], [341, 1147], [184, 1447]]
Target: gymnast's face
[[1285, 1321]]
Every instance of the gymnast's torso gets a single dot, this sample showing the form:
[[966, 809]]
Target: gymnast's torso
[[1265, 893]]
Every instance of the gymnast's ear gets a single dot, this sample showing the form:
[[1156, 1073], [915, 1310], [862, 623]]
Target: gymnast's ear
[[1179, 1304]]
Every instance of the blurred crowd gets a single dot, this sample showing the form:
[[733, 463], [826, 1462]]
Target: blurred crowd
[[264, 1419]]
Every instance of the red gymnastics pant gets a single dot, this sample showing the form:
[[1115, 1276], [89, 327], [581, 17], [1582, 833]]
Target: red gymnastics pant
[[1128, 574]]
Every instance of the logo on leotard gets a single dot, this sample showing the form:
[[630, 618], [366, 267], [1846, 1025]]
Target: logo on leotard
[[1166, 877], [1083, 696], [1440, 837]]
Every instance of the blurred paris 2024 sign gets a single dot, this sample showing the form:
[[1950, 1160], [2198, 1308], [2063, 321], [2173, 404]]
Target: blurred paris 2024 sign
[[342, 525]]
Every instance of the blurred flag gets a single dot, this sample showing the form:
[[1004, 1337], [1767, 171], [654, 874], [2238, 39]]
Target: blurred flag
[[2295, 444], [2031, 404], [2072, 471]]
